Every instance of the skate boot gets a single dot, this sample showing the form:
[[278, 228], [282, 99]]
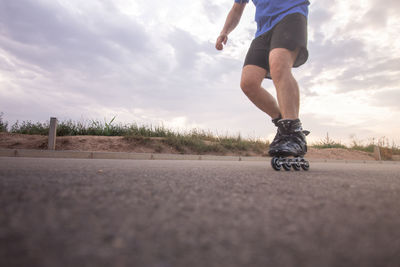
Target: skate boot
[[278, 135], [289, 150]]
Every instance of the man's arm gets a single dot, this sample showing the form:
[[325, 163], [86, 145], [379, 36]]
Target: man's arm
[[232, 20]]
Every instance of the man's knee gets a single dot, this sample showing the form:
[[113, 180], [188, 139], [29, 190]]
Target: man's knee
[[249, 86], [252, 77], [281, 62], [279, 68]]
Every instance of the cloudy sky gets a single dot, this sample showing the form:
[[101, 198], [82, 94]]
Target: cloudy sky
[[154, 62]]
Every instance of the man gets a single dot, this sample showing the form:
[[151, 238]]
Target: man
[[280, 44]]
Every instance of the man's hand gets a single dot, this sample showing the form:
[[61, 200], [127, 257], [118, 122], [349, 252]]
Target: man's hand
[[221, 41], [231, 22]]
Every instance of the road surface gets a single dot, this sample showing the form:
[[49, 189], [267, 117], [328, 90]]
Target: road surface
[[69, 212]]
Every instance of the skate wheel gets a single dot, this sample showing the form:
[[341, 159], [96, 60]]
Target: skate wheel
[[276, 165], [287, 165], [296, 166], [305, 165]]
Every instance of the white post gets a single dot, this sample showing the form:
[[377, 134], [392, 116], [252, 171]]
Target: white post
[[377, 153], [52, 134]]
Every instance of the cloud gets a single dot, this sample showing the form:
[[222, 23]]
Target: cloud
[[79, 63], [388, 98], [46, 34], [338, 130], [186, 48], [318, 18], [348, 51], [213, 11], [156, 62], [379, 13]]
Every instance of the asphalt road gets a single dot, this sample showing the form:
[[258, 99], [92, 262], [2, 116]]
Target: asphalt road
[[66, 212]]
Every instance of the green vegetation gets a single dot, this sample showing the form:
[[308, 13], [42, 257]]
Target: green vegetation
[[197, 141], [201, 145], [357, 145], [3, 125], [386, 150], [328, 143], [93, 127]]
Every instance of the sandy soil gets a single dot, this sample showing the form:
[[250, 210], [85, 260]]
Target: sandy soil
[[119, 144]]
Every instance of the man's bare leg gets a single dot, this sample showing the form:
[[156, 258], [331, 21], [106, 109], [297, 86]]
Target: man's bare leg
[[252, 77], [281, 62]]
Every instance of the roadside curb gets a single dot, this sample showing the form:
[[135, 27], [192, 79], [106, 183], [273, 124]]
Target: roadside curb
[[27, 153]]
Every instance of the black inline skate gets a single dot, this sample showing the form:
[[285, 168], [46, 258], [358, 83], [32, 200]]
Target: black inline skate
[[278, 133], [289, 146]]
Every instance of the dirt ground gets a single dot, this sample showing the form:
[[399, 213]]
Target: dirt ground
[[119, 144]]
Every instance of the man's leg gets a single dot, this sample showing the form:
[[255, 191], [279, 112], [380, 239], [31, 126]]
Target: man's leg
[[252, 77], [281, 62]]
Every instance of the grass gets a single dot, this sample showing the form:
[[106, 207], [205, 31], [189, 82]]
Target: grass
[[3, 125], [211, 144], [328, 143], [387, 150], [196, 140]]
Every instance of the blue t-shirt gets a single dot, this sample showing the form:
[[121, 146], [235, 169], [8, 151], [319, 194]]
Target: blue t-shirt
[[270, 12]]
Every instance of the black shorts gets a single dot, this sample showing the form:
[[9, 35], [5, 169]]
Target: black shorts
[[289, 33]]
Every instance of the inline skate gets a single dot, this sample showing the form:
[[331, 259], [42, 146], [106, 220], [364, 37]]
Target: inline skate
[[289, 146]]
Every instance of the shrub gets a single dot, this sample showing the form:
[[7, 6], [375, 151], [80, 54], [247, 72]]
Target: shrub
[[3, 125]]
